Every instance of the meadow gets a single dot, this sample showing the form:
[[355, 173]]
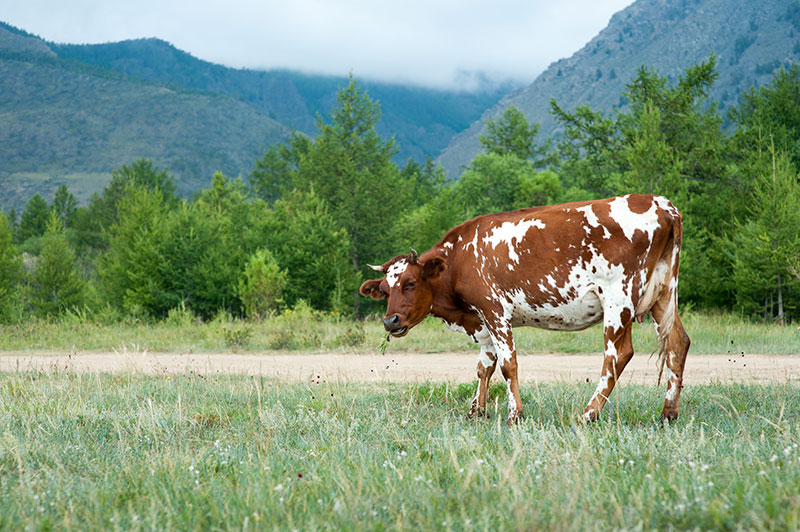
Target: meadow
[[307, 330], [194, 452]]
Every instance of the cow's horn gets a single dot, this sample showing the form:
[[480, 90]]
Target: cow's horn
[[414, 255], [376, 268]]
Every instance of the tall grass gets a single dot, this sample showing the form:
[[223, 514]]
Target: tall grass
[[131, 452], [302, 329]]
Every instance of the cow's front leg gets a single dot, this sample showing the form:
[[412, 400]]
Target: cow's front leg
[[506, 352], [486, 364]]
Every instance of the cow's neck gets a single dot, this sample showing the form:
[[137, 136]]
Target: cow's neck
[[449, 307]]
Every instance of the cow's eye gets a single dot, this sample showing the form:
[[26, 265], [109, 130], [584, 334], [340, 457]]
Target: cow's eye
[[410, 285]]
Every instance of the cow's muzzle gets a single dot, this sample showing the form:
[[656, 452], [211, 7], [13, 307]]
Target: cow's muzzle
[[393, 325]]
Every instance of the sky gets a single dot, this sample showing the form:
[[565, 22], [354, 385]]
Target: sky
[[436, 43]]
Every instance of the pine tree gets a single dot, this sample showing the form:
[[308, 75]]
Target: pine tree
[[33, 221], [11, 272], [55, 284]]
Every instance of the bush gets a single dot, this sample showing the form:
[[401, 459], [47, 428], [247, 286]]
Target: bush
[[261, 285]]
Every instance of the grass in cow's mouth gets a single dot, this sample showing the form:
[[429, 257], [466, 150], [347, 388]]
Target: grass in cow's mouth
[[104, 452]]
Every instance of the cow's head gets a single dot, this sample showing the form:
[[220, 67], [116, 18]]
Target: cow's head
[[407, 287]]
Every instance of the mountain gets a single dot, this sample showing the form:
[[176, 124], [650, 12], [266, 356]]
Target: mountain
[[422, 120], [67, 122], [72, 113], [751, 38]]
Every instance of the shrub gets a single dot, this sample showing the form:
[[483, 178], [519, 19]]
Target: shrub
[[261, 285]]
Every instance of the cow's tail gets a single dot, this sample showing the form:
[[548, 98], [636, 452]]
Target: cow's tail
[[660, 296]]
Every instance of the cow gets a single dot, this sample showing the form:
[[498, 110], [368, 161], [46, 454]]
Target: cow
[[559, 267]]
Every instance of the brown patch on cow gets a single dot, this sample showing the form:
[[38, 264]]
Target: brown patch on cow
[[640, 204]]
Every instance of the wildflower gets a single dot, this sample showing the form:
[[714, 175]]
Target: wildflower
[[773, 458], [279, 487]]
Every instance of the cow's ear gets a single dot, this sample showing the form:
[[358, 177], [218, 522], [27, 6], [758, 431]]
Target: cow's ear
[[372, 288], [432, 267]]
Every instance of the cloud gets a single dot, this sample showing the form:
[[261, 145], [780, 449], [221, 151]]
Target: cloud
[[424, 42]]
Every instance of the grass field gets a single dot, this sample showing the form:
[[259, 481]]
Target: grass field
[[133, 452], [305, 330]]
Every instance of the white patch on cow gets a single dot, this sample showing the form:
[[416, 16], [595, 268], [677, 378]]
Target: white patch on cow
[[447, 245], [474, 243], [454, 326], [592, 220], [484, 357], [602, 386], [591, 217], [653, 289], [509, 233], [630, 221], [512, 403], [395, 271], [672, 385], [611, 350]]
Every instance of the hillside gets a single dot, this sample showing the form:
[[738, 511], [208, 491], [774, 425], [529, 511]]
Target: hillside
[[422, 120], [751, 38], [68, 123], [72, 113]]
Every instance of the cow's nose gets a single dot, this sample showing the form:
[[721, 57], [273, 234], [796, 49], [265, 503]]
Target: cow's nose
[[391, 323]]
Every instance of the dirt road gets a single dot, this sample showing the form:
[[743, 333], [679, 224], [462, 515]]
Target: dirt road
[[405, 367]]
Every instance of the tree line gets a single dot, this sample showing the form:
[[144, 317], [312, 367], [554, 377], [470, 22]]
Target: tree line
[[314, 211]]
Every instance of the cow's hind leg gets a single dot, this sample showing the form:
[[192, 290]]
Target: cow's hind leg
[[486, 364], [618, 352], [675, 347]]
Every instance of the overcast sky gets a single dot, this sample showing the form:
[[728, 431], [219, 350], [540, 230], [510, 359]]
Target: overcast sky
[[429, 42]]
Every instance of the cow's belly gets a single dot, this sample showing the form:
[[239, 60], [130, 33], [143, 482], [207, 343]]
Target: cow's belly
[[572, 315]]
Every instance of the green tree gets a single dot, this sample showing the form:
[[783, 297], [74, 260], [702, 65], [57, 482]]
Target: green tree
[[350, 167], [310, 245], [424, 181], [129, 272], [770, 114], [55, 283], [103, 209], [767, 245], [33, 222], [274, 173], [512, 134], [65, 205], [501, 182], [11, 273]]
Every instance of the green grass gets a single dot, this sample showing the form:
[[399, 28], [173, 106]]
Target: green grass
[[305, 330], [133, 452]]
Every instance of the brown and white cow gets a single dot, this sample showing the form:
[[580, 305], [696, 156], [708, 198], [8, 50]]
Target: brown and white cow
[[560, 267]]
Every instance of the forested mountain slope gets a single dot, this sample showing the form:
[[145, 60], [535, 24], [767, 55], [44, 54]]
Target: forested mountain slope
[[65, 122], [751, 38], [423, 120]]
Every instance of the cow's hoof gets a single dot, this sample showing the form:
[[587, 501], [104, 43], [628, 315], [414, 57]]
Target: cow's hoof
[[514, 419], [670, 416], [477, 413]]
